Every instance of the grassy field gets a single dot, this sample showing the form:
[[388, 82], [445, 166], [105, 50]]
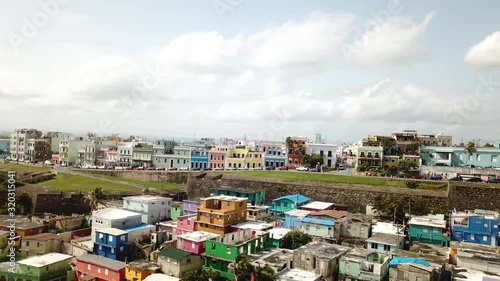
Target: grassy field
[[65, 183], [291, 176], [22, 168], [148, 184]]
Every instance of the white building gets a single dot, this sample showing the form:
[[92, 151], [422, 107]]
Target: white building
[[153, 209], [327, 151], [116, 218], [124, 154], [19, 143]]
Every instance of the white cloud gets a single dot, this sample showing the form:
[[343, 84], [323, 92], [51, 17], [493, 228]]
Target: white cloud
[[392, 41], [299, 43], [486, 53]]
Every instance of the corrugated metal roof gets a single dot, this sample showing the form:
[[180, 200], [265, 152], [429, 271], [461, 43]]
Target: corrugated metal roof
[[102, 261], [301, 199], [318, 221], [331, 213], [174, 253]]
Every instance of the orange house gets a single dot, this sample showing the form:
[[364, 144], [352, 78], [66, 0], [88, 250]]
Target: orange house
[[216, 214]]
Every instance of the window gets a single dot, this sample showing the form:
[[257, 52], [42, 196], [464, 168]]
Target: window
[[494, 158], [485, 238], [213, 246], [425, 230], [435, 230], [192, 245], [110, 238], [122, 249], [122, 238], [387, 248], [228, 250], [478, 157], [27, 243], [105, 271], [89, 267], [98, 270], [112, 250]]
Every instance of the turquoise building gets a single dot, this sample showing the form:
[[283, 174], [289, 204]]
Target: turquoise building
[[255, 197], [430, 229], [287, 203], [458, 156], [362, 264]]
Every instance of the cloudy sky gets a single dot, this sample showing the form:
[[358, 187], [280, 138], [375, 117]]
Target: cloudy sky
[[266, 69]]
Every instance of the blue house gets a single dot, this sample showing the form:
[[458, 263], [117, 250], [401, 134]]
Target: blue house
[[199, 158], [457, 156], [323, 228], [275, 154], [287, 203], [478, 226], [111, 243], [293, 218], [255, 197]]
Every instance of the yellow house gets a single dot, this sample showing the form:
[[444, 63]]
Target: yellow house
[[5, 247], [139, 270], [236, 157], [413, 158], [391, 161], [254, 160]]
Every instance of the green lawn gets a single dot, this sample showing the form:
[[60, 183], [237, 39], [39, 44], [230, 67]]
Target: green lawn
[[22, 168], [291, 176], [65, 182], [149, 184]]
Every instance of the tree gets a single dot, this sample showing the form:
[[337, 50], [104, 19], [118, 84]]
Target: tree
[[265, 273], [2, 151], [387, 144], [312, 160], [406, 164], [202, 275], [413, 148], [99, 193], [24, 203], [289, 142], [470, 148], [486, 145], [242, 268], [295, 239]]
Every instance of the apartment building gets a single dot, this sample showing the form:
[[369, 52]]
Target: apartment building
[[216, 214]]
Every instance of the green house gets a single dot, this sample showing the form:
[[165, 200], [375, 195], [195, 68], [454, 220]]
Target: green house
[[255, 197], [287, 203], [222, 251], [176, 210], [429, 229], [53, 266], [362, 264]]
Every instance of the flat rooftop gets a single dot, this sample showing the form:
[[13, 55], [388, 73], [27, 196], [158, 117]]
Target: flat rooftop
[[386, 238], [160, 277], [317, 205], [298, 213], [114, 213], [278, 232], [198, 236], [295, 274], [226, 198], [44, 237], [112, 231], [143, 265], [428, 221], [386, 227], [44, 260], [324, 250], [147, 198], [253, 225]]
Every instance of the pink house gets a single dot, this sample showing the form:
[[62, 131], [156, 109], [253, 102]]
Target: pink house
[[185, 224], [217, 157], [194, 242]]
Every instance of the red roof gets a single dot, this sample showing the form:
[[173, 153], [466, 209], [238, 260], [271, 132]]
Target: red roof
[[336, 214]]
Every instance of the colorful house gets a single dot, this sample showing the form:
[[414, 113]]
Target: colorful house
[[478, 226], [176, 210], [385, 242], [254, 160], [24, 226], [321, 258], [194, 242], [217, 157], [190, 206], [429, 229], [255, 197], [362, 264], [221, 251], [111, 243], [236, 157], [199, 158], [329, 216], [458, 156], [275, 154], [290, 202], [140, 269], [318, 227], [97, 268], [152, 208], [216, 214], [258, 213], [276, 234], [297, 147], [40, 244], [185, 224], [257, 228], [293, 218], [53, 266], [175, 262]]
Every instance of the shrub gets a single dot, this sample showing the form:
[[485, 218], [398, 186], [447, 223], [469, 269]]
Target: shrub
[[412, 184]]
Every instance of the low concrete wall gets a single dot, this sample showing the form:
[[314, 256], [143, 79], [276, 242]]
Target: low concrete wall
[[452, 171], [178, 177]]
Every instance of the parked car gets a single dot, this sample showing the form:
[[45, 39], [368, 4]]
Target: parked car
[[119, 168], [475, 179], [160, 169], [218, 169], [270, 168], [243, 168], [493, 180], [458, 178], [172, 169], [230, 168], [257, 169], [283, 168], [183, 169], [436, 178], [302, 169], [341, 167], [129, 168], [139, 168], [151, 168]]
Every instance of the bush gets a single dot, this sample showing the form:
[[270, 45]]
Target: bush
[[412, 184]]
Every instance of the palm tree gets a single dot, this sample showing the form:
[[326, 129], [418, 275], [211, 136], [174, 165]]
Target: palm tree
[[470, 148], [93, 202], [242, 268], [265, 273], [201, 275], [2, 151]]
